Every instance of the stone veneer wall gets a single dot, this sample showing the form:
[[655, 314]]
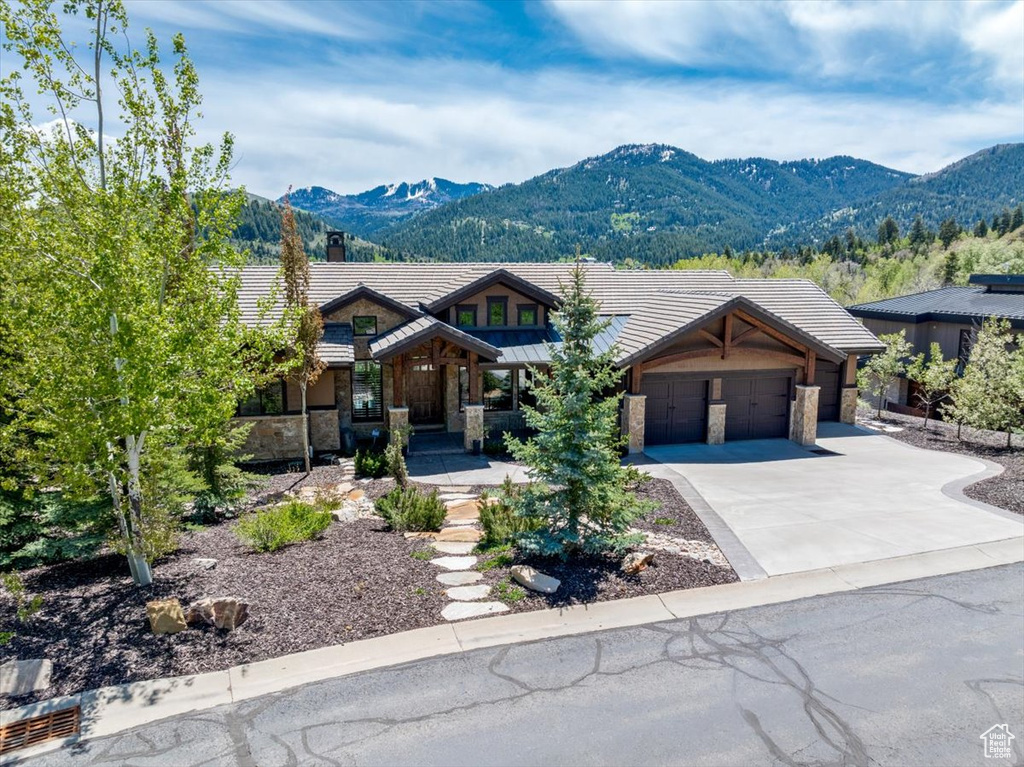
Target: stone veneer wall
[[848, 405], [716, 423], [324, 432], [474, 426], [803, 424], [632, 420], [273, 437]]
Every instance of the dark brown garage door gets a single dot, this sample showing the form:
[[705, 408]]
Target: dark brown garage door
[[756, 407], [826, 376], [676, 409]]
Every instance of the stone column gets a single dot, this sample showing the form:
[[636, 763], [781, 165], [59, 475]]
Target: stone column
[[716, 423], [634, 407], [803, 420], [398, 419], [474, 426], [848, 405]]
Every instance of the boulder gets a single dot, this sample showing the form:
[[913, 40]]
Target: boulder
[[526, 576], [204, 563], [223, 612], [637, 561], [20, 677], [165, 616]]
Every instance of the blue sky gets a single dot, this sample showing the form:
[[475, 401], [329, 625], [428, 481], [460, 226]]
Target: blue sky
[[349, 95]]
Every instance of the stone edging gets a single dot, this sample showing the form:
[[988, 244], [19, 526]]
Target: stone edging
[[114, 709]]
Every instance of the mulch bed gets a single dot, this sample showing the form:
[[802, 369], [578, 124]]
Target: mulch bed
[[1005, 491], [358, 581]]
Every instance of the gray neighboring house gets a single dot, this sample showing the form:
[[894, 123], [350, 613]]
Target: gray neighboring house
[[950, 317], [450, 346]]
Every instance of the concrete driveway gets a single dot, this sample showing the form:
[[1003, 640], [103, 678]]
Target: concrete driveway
[[869, 498]]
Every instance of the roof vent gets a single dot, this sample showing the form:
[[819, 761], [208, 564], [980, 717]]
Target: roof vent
[[999, 283]]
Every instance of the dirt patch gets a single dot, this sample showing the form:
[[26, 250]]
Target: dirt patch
[[1005, 491]]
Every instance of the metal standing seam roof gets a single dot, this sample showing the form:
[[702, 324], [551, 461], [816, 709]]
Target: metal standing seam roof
[[618, 292], [530, 346], [423, 328], [966, 304]]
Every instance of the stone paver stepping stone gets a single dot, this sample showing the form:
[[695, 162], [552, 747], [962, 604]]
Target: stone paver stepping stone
[[468, 593], [453, 547], [420, 536], [454, 563], [459, 534], [458, 611], [454, 499], [464, 511], [459, 522], [459, 578], [461, 489]]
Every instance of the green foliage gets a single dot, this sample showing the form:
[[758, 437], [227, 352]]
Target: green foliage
[[496, 562], [664, 521], [393, 457], [370, 463], [278, 526], [507, 591], [882, 370], [580, 495], [949, 230], [25, 606], [888, 231], [42, 527], [424, 555], [409, 509], [498, 517], [934, 376]]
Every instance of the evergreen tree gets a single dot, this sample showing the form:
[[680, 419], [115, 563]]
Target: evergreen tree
[[949, 230], [888, 232], [919, 237], [882, 370], [934, 377], [1017, 220], [580, 496], [981, 228]]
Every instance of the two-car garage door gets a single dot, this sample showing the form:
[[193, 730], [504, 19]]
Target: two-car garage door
[[757, 406]]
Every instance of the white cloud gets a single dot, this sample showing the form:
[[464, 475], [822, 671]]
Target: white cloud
[[997, 33]]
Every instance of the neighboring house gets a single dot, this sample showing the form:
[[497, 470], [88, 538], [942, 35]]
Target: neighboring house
[[950, 317], [446, 346]]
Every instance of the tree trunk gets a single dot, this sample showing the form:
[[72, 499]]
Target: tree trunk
[[927, 412], [305, 427], [1009, 439]]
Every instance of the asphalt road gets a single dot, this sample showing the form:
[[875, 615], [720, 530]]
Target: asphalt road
[[907, 674]]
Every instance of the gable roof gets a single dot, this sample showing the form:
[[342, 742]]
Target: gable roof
[[498, 276], [529, 346], [361, 291], [335, 348], [413, 333], [966, 305]]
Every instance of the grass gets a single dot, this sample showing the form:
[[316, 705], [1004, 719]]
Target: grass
[[424, 555], [502, 560], [664, 521], [507, 592]]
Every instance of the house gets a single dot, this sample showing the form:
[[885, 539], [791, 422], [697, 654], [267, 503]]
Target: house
[[450, 346], [950, 317]]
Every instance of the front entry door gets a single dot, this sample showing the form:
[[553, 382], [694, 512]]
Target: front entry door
[[425, 394]]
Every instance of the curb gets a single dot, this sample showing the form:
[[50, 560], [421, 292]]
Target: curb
[[110, 710]]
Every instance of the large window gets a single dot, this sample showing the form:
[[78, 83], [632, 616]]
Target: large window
[[367, 392], [364, 326], [465, 316], [266, 401], [497, 311], [524, 392], [527, 314], [497, 389]]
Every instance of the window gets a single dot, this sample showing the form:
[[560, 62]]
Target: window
[[527, 314], [497, 311], [525, 389], [364, 326], [963, 352], [367, 392], [266, 401], [497, 389], [465, 316]]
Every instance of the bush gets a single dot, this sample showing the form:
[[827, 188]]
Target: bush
[[409, 509], [396, 463], [499, 520], [371, 463], [39, 528], [277, 527]]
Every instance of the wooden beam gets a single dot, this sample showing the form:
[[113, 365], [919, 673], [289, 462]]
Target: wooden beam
[[851, 370], [809, 361], [398, 380], [745, 335], [710, 337], [770, 331], [791, 359], [727, 336], [474, 378], [636, 377]]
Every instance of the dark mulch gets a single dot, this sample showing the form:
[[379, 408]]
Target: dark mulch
[[1005, 491]]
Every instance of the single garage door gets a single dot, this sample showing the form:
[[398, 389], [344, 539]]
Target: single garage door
[[676, 409], [756, 406], [826, 376]]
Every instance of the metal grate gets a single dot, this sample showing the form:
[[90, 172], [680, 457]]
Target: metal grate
[[39, 729]]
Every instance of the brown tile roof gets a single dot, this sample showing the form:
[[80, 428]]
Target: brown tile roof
[[335, 348]]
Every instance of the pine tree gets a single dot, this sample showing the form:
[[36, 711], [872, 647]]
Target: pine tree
[[888, 232], [950, 267], [882, 370], [580, 494], [919, 235], [934, 377], [981, 228], [1017, 220], [949, 230]]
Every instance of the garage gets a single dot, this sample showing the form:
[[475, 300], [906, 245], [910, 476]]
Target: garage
[[676, 409], [757, 405], [826, 377]]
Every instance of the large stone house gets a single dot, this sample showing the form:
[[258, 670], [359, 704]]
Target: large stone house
[[449, 347]]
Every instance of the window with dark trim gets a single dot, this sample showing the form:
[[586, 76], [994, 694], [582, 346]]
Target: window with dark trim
[[465, 316], [269, 400], [527, 314], [497, 389], [497, 311], [524, 391], [367, 391], [364, 326]]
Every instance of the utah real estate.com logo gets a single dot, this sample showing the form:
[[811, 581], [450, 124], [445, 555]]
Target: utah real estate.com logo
[[997, 742]]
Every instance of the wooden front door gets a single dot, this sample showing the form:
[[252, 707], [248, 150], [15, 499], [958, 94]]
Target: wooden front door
[[424, 394]]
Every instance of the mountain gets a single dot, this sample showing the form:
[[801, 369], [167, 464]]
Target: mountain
[[369, 212], [655, 203]]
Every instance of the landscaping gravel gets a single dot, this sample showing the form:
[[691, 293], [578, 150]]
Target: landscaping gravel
[[1005, 491]]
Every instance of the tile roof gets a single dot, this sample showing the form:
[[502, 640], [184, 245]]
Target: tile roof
[[953, 304], [335, 348]]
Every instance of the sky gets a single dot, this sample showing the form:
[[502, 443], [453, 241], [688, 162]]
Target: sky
[[351, 95]]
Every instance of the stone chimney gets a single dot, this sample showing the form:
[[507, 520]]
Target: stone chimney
[[336, 246]]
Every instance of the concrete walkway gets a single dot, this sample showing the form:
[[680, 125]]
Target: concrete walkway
[[867, 497]]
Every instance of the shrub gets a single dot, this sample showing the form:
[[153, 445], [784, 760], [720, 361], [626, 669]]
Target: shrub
[[506, 591], [409, 509], [395, 462], [371, 463], [498, 517], [276, 527], [25, 606]]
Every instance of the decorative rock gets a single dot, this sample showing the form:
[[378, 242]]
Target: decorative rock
[[454, 489], [345, 515], [533, 580], [456, 547], [455, 499], [223, 612], [205, 564], [637, 561], [466, 511], [420, 536], [20, 677], [454, 563], [459, 578], [356, 495], [468, 593], [458, 611], [459, 534], [165, 616], [459, 522]]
